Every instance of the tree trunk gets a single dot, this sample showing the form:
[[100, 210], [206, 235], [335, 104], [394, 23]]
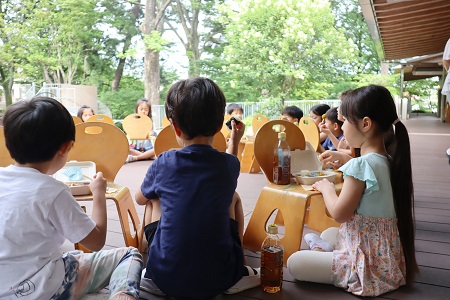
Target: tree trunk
[[127, 43], [7, 79], [152, 21], [119, 70]]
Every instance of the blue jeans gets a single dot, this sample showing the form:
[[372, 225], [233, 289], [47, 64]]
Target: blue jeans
[[90, 272]]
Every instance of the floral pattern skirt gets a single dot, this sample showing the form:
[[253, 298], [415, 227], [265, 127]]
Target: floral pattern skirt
[[369, 259]]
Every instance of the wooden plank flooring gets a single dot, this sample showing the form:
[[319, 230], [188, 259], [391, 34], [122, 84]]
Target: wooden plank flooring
[[429, 140]]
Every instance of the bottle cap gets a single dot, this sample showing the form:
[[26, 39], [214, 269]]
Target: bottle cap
[[272, 229], [282, 135]]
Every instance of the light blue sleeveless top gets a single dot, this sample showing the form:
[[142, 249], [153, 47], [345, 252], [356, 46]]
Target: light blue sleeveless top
[[377, 200]]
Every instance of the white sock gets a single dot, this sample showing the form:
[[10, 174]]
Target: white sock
[[316, 243]]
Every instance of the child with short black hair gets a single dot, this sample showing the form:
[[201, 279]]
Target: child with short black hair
[[292, 114], [38, 213], [332, 128], [195, 234], [234, 109]]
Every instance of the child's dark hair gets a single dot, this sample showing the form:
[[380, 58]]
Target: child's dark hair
[[196, 106], [293, 111], [332, 115], [81, 110], [36, 129], [141, 101], [376, 102], [320, 109], [232, 107]]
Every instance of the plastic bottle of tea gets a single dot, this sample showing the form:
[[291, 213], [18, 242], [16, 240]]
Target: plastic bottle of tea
[[272, 253], [282, 161]]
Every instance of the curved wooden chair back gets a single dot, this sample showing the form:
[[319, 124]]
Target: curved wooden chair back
[[104, 144], [77, 120], [258, 121], [101, 118], [310, 131], [225, 130], [137, 126], [5, 158], [266, 139], [166, 140], [165, 122]]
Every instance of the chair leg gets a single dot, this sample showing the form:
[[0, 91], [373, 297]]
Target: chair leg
[[126, 210]]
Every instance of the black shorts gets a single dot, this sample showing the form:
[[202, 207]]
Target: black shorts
[[150, 230]]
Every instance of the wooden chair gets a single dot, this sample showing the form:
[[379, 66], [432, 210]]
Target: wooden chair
[[77, 120], [248, 162], [310, 131], [257, 122], [101, 118], [137, 126], [291, 200], [166, 140], [165, 122], [225, 130], [5, 158], [107, 146]]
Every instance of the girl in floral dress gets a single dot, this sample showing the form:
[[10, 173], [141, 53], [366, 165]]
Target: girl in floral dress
[[374, 246]]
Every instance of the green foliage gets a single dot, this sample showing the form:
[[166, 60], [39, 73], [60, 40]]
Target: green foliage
[[154, 41], [350, 19], [271, 107], [285, 48], [122, 102]]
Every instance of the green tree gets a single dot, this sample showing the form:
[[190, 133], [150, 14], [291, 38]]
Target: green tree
[[349, 17], [123, 19], [286, 49], [14, 17]]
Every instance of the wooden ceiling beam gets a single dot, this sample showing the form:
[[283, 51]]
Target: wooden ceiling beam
[[407, 11], [414, 32], [424, 25], [417, 18]]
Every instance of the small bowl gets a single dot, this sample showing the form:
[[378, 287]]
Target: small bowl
[[315, 176]]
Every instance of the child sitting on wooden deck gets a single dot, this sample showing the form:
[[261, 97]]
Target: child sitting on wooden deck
[[196, 229], [38, 213]]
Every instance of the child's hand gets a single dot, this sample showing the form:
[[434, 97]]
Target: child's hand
[[334, 159], [324, 128], [98, 185], [237, 131], [322, 185]]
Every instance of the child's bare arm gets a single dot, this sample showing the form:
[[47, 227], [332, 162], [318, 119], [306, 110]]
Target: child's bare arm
[[237, 131], [95, 240], [140, 198]]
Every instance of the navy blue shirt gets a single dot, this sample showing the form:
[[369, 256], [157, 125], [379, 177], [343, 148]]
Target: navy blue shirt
[[193, 254], [328, 144]]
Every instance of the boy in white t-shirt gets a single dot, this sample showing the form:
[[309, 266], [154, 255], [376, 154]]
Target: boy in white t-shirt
[[38, 213]]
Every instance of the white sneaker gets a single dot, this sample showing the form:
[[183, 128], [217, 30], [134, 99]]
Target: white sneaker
[[245, 283]]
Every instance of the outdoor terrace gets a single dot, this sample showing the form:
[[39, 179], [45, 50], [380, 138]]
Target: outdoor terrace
[[431, 174]]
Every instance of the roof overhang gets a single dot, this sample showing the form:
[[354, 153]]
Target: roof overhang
[[407, 28], [422, 67]]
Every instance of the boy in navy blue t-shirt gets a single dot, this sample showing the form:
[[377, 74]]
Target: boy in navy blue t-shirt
[[195, 234]]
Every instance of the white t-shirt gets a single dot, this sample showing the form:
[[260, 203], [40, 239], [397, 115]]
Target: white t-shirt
[[37, 214], [446, 87]]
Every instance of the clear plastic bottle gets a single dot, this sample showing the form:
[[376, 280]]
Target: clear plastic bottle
[[272, 253], [282, 161]]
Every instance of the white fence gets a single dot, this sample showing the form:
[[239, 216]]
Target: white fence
[[250, 108]]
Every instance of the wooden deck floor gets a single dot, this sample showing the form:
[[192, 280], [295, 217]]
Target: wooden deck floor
[[429, 140]]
